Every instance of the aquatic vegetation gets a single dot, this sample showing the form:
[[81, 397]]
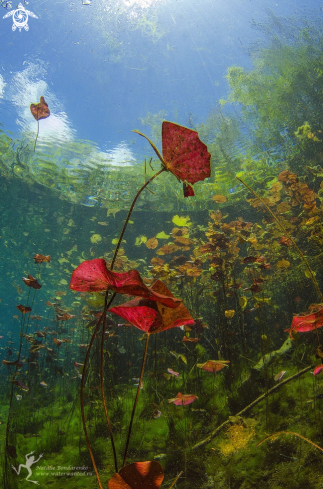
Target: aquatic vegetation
[[39, 111], [237, 438], [184, 155]]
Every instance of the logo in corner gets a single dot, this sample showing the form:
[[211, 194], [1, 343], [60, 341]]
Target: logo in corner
[[20, 18], [29, 462]]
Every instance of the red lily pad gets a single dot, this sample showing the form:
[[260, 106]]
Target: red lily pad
[[213, 365], [303, 324], [41, 110], [93, 276], [151, 316], [184, 153], [139, 475], [183, 399]]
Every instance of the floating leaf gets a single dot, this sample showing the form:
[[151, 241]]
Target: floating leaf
[[219, 199], [41, 110], [96, 238], [182, 221], [152, 243], [162, 235], [140, 240]]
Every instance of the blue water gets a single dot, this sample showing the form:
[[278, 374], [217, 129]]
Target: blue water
[[101, 69]]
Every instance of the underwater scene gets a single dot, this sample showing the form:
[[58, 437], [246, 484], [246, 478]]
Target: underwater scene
[[161, 244]]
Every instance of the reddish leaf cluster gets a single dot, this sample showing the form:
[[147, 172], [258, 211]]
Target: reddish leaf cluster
[[299, 192], [305, 323]]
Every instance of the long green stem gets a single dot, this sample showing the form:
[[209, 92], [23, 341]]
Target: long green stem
[[129, 214], [175, 480], [274, 435], [102, 388], [36, 136], [136, 399], [102, 320]]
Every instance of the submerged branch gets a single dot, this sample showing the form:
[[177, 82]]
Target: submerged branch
[[244, 410]]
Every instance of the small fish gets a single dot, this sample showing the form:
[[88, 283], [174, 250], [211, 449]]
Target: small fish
[[18, 397], [137, 383], [160, 456], [157, 414], [280, 375], [171, 371], [43, 384]]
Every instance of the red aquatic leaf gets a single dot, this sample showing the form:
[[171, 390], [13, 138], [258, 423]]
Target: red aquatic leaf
[[303, 324], [184, 154], [93, 276], [188, 190], [41, 258], [32, 282], [139, 475], [318, 369], [183, 399], [41, 110], [23, 309], [151, 316], [213, 365]]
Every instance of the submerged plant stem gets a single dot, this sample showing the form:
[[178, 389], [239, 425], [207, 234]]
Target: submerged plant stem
[[244, 410], [87, 356], [136, 399], [129, 214], [289, 236], [102, 384], [36, 136], [289, 433], [297, 248], [175, 480]]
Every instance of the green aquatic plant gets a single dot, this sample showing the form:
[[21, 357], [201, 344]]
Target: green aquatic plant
[[187, 158]]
